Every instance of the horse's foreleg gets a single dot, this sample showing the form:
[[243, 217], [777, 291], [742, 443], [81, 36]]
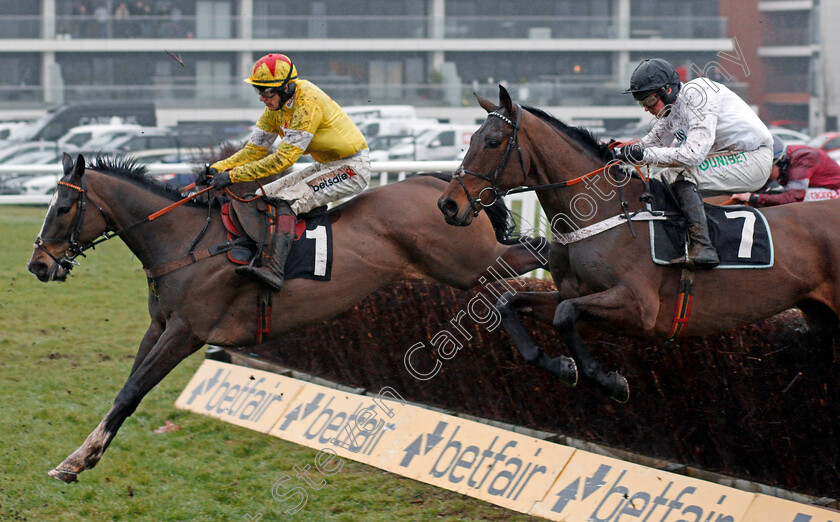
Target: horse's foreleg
[[540, 305], [173, 345], [529, 254], [149, 341], [613, 305]]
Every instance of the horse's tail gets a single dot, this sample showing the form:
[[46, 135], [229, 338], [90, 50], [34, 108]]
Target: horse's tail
[[498, 213]]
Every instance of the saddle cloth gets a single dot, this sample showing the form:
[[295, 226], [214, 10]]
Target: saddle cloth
[[740, 233], [312, 251]]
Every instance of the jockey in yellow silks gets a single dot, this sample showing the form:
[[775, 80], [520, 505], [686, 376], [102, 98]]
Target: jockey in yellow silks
[[308, 122]]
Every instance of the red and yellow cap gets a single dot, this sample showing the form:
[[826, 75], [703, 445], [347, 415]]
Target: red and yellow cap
[[272, 70]]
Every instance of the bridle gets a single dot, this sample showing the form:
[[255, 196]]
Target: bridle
[[68, 259], [513, 143]]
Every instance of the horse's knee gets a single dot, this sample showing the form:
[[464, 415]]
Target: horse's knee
[[564, 316], [505, 304]]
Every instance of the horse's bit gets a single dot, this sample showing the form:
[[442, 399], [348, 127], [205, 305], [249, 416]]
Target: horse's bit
[[513, 142]]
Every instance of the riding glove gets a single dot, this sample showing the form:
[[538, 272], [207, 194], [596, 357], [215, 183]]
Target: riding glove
[[633, 153], [221, 180]]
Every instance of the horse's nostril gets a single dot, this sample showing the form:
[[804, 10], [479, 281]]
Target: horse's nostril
[[448, 207], [36, 267]]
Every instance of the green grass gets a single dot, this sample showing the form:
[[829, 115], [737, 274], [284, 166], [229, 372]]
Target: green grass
[[65, 351]]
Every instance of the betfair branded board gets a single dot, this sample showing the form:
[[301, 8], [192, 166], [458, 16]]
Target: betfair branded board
[[502, 467]]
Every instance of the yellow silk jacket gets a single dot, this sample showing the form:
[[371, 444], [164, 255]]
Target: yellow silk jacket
[[310, 123]]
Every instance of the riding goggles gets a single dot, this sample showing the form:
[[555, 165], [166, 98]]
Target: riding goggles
[[649, 101], [267, 92]]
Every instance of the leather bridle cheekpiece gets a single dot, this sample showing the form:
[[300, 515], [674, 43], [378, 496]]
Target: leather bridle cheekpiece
[[513, 142], [67, 260]]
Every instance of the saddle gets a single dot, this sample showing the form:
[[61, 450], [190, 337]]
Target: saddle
[[740, 233], [248, 227], [247, 223]]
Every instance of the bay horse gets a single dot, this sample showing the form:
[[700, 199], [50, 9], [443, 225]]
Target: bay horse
[[608, 281], [385, 234]]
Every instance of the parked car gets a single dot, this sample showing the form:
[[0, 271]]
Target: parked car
[[790, 137], [443, 142], [10, 129], [83, 134], [142, 138], [58, 120], [10, 153], [826, 141], [381, 126], [39, 185], [381, 145], [11, 183]]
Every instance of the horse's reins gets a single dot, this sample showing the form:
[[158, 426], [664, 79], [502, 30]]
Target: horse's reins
[[513, 142], [67, 260], [684, 297]]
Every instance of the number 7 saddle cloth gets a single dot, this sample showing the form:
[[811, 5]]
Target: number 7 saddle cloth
[[740, 233]]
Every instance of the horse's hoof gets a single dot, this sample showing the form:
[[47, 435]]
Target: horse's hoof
[[565, 369], [66, 476], [619, 389]]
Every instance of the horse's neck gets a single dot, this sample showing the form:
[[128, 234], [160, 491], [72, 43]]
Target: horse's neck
[[594, 199], [127, 203]]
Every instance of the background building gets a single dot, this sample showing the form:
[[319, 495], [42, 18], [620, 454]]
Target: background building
[[573, 57]]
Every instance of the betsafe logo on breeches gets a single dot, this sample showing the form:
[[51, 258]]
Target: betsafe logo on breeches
[[338, 176]]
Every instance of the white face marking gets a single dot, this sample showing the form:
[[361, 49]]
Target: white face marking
[[53, 200]]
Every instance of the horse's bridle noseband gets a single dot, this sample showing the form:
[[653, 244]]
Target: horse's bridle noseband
[[67, 260], [513, 142]]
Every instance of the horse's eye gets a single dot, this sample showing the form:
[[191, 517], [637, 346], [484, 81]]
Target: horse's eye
[[492, 143], [63, 210]]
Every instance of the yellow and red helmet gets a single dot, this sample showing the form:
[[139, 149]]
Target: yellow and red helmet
[[272, 70]]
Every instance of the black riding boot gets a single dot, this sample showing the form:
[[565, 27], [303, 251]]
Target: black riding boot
[[700, 250], [272, 273]]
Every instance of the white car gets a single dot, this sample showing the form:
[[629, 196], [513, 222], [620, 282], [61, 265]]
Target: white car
[[9, 155], [790, 137], [80, 136], [40, 185]]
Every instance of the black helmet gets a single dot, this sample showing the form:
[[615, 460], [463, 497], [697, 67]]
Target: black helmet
[[654, 75]]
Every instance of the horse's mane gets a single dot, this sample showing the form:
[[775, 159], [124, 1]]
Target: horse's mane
[[127, 167], [579, 134]]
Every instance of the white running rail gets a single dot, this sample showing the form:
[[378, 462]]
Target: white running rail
[[531, 217]]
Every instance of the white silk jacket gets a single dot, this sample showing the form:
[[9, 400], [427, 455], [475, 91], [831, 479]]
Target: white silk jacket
[[706, 118]]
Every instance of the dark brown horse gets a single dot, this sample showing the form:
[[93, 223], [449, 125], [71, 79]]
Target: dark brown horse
[[384, 235], [608, 281]]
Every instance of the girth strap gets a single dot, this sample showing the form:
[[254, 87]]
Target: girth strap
[[263, 314], [157, 271], [683, 308]]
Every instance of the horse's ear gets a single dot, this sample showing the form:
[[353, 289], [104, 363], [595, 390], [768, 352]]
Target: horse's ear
[[79, 167], [67, 163], [504, 97], [486, 104]]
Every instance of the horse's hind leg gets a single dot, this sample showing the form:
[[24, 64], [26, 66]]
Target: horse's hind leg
[[174, 345], [823, 323], [539, 305], [613, 305]]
